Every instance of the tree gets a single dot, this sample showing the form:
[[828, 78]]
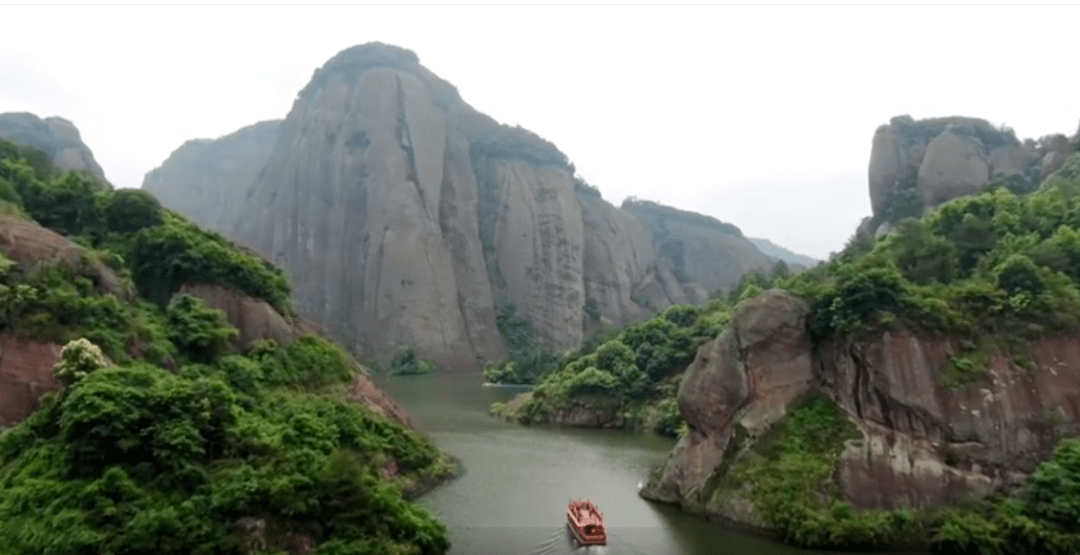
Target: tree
[[130, 210], [77, 360]]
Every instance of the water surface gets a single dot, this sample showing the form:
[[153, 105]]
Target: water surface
[[519, 479]]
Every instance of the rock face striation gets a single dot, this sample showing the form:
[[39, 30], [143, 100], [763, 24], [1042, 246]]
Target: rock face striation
[[923, 444], [57, 137], [207, 179], [407, 218]]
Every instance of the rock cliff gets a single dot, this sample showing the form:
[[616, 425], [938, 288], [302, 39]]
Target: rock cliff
[[57, 137], [208, 179], [917, 165], [406, 217], [923, 444]]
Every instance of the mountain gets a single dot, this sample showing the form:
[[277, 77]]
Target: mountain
[[57, 137], [199, 178], [407, 218], [776, 251]]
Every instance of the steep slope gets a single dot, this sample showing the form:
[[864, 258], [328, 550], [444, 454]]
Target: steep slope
[[406, 217], [207, 180], [56, 137]]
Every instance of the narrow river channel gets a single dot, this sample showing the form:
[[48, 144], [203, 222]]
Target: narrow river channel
[[519, 479]]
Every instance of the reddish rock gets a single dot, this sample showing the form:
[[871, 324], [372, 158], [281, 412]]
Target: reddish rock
[[28, 245], [25, 375], [923, 444]]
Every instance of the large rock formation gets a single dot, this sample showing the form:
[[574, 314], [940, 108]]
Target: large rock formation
[[57, 137], [917, 165], [406, 217], [923, 444], [207, 179]]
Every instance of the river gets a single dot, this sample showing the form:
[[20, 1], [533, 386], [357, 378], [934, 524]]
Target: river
[[518, 481]]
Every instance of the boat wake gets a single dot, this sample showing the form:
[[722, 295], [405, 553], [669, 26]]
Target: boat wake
[[562, 542]]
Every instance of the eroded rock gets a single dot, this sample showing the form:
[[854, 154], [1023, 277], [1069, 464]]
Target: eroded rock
[[923, 444], [57, 137]]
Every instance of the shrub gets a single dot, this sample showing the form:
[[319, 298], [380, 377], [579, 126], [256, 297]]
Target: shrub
[[407, 363], [200, 332], [178, 252], [130, 210]]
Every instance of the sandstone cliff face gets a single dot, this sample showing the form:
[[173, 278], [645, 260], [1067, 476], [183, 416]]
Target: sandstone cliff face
[[936, 160], [207, 180], [57, 137], [923, 444], [917, 165], [406, 217]]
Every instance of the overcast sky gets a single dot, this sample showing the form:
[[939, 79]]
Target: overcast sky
[[758, 115]]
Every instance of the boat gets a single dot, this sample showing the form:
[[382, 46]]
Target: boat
[[586, 522]]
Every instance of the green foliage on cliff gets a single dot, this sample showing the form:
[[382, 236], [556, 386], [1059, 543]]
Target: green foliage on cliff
[[994, 265], [161, 249], [787, 476], [167, 256], [132, 458], [636, 370], [529, 360]]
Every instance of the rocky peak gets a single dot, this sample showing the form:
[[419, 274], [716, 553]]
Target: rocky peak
[[407, 218], [916, 165], [57, 137]]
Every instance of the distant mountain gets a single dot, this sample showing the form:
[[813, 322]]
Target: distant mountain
[[776, 251]]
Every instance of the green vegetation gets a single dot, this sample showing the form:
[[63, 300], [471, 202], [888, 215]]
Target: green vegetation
[[996, 269], [630, 373], [787, 476], [516, 143], [407, 363], [529, 360], [130, 457]]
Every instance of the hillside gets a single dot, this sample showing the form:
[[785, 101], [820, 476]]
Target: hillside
[[160, 395], [407, 218], [776, 251]]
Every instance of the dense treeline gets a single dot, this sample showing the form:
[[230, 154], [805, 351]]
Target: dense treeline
[[130, 457]]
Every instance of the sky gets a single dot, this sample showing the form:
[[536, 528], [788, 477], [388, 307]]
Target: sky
[[758, 115]]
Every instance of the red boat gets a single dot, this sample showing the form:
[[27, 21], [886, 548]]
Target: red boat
[[586, 522]]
